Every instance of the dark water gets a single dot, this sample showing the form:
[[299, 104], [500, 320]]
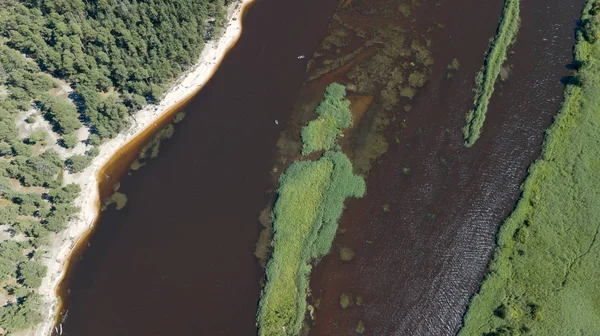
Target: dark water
[[417, 264], [178, 259]]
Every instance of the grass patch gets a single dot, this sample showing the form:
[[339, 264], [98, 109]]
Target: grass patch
[[310, 201], [487, 76], [543, 278], [333, 115]]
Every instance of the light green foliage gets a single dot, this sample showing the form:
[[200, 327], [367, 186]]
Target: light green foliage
[[333, 115], [543, 279], [310, 202], [8, 214], [487, 76], [37, 136]]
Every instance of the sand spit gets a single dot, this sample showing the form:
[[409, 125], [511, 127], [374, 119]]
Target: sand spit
[[186, 86]]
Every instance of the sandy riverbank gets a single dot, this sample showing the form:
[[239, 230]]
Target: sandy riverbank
[[183, 88]]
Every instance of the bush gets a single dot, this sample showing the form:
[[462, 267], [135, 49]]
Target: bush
[[69, 140], [20, 148], [31, 273], [37, 136], [77, 163]]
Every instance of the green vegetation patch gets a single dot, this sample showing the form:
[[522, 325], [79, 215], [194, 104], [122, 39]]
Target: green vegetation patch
[[543, 279], [333, 116], [310, 202], [487, 76]]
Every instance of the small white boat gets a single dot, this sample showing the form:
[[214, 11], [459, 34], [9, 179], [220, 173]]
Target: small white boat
[[301, 57], [276, 122]]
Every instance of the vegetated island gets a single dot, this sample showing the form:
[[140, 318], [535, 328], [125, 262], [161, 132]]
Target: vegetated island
[[543, 278], [310, 201], [492, 65], [81, 79]]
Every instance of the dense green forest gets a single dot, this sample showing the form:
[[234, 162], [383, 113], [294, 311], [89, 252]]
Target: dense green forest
[[310, 202], [486, 78], [74, 64], [543, 279]]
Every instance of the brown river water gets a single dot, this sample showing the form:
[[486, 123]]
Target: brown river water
[[178, 259]]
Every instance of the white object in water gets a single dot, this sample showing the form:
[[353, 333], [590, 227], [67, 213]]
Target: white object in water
[[276, 122], [301, 57]]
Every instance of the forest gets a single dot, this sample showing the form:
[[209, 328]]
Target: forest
[[75, 65]]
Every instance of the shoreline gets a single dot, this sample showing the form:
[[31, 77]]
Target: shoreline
[[183, 88]]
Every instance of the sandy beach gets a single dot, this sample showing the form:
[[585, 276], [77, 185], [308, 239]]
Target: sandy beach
[[57, 256]]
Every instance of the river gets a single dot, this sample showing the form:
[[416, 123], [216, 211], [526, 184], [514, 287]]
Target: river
[[178, 259], [418, 262]]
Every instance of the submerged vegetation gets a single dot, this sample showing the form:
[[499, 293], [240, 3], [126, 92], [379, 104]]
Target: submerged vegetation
[[310, 202], [543, 279], [492, 65]]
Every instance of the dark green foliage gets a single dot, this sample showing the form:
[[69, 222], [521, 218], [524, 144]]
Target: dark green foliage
[[5, 149], [43, 170], [135, 47], [69, 140], [30, 273], [94, 140], [77, 163], [543, 278], [11, 254], [93, 152], [106, 115], [37, 136], [117, 56], [20, 148], [61, 113], [20, 315], [16, 290], [66, 194]]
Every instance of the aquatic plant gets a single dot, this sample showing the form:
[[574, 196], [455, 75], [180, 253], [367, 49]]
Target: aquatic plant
[[543, 278], [333, 116], [487, 76], [310, 201]]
